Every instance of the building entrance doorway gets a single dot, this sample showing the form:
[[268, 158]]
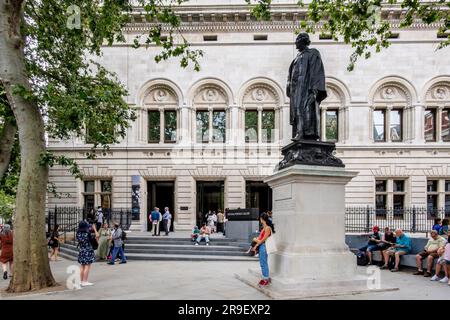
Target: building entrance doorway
[[160, 194], [210, 196], [258, 195]]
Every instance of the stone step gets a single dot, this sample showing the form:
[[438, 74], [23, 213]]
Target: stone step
[[72, 254], [185, 250]]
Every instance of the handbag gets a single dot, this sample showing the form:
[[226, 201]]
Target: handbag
[[93, 242], [271, 245]]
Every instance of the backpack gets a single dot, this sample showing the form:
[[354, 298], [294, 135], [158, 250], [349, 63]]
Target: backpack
[[124, 236], [361, 259]]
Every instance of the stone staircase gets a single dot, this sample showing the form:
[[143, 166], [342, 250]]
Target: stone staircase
[[142, 246]]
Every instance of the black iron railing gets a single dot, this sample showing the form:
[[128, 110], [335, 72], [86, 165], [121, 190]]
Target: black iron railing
[[68, 218], [413, 219]]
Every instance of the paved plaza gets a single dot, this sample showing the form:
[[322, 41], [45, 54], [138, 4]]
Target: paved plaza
[[175, 280]]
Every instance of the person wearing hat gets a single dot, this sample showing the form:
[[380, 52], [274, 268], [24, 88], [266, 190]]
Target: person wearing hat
[[86, 255], [372, 244]]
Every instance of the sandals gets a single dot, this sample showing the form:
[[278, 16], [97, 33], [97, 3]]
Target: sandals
[[394, 270]]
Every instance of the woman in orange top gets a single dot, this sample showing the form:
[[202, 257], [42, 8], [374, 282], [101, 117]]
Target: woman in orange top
[[6, 244], [266, 232]]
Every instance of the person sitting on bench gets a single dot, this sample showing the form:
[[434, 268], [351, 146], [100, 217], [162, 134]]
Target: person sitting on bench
[[402, 246], [372, 244], [430, 252]]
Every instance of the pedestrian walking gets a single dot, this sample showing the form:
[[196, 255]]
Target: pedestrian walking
[[100, 218], [86, 255], [167, 220], [6, 245], [118, 245], [53, 243]]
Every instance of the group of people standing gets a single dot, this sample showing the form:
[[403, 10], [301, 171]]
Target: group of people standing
[[104, 244], [216, 222], [156, 218]]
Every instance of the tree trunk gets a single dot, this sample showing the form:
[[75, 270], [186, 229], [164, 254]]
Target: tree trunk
[[31, 265], [7, 137]]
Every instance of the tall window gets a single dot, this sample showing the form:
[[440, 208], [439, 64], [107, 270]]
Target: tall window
[[97, 193], [388, 119], [218, 126], [432, 196], [259, 126], [430, 125], [390, 193], [154, 127], [438, 195], [437, 124], [268, 126], [170, 126], [379, 125], [396, 125], [381, 196], [203, 126], [445, 125], [332, 125], [162, 126], [211, 126], [251, 126]]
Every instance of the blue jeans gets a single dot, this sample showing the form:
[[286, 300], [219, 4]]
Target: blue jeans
[[116, 250], [263, 261], [200, 237]]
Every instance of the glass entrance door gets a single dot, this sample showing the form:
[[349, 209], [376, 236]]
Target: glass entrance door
[[210, 196]]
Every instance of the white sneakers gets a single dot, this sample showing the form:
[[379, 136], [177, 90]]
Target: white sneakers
[[86, 284], [436, 278]]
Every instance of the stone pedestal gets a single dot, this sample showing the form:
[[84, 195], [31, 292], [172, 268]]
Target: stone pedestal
[[309, 217]]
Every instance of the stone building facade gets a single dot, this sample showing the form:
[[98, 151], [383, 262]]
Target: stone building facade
[[207, 140]]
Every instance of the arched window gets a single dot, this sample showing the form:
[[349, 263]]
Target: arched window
[[210, 103], [260, 103], [333, 112], [161, 103], [437, 112], [391, 116]]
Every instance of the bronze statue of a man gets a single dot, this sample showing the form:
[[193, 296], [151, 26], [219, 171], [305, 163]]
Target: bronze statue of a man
[[306, 90]]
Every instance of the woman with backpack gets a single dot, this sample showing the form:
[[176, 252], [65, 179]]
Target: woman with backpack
[[53, 243], [266, 232], [6, 245], [86, 254]]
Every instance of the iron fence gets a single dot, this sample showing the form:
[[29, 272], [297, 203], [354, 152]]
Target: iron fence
[[67, 218], [413, 220]]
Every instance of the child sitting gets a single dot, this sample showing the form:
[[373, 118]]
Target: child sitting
[[195, 233]]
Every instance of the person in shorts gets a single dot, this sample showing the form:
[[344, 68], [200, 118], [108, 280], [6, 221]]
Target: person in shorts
[[430, 253], [372, 243], [402, 246]]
